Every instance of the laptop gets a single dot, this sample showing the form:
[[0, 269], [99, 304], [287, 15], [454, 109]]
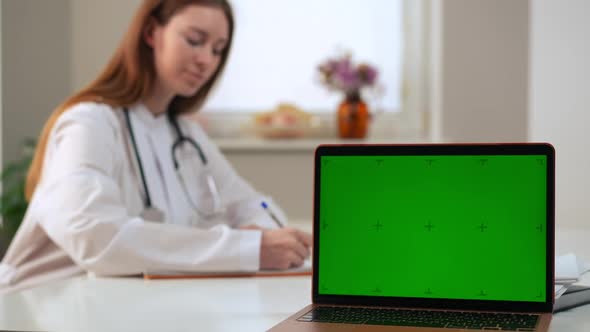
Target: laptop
[[431, 237]]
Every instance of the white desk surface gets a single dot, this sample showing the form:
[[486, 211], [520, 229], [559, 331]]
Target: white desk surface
[[245, 304]]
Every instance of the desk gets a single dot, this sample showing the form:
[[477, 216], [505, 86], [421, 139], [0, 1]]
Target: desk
[[107, 304], [247, 304]]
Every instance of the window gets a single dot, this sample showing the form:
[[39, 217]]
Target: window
[[279, 44]]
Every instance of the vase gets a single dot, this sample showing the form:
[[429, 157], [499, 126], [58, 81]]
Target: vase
[[353, 117]]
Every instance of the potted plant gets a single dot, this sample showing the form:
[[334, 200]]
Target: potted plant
[[340, 74], [13, 204]]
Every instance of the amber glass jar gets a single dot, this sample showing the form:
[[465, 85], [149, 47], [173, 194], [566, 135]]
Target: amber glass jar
[[353, 117]]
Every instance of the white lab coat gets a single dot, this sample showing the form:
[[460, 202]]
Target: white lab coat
[[85, 213]]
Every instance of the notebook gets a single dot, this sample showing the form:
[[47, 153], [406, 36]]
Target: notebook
[[431, 237], [574, 296], [303, 270]]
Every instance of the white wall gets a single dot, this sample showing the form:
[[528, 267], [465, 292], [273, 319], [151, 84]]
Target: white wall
[[560, 99], [1, 114], [36, 67], [97, 28], [482, 53], [51, 49]]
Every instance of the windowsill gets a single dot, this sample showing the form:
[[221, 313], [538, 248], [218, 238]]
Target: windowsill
[[302, 144], [232, 132]]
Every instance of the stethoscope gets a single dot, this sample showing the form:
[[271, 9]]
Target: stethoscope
[[151, 212]]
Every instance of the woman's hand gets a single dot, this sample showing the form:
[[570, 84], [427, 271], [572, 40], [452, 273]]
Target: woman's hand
[[284, 248]]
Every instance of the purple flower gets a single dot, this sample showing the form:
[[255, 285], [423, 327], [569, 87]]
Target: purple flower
[[341, 74], [367, 73]]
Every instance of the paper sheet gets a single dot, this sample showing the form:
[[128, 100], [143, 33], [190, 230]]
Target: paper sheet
[[568, 269], [559, 290]]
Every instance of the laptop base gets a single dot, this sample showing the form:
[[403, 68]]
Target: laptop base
[[293, 324]]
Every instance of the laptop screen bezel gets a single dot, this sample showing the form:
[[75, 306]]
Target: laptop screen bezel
[[430, 150]]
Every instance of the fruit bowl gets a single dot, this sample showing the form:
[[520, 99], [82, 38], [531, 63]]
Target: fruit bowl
[[286, 121]]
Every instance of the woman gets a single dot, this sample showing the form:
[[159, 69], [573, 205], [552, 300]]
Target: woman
[[111, 193]]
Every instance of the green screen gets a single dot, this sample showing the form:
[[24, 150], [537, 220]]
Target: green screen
[[454, 227]]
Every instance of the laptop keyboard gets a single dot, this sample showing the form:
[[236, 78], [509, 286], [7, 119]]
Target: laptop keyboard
[[422, 318]]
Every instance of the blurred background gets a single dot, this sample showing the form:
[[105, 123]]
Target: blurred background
[[448, 71]]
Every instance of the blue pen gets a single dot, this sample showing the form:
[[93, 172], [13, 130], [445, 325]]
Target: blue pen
[[272, 215]]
